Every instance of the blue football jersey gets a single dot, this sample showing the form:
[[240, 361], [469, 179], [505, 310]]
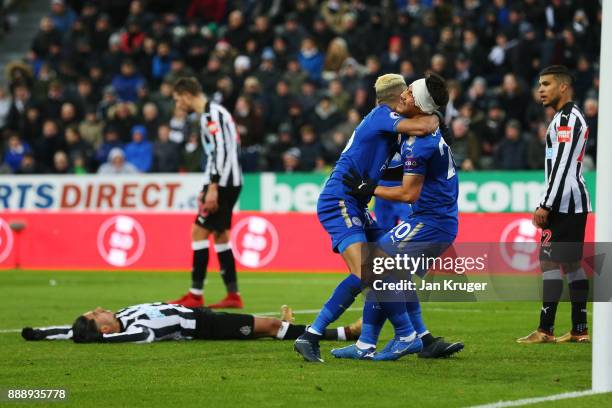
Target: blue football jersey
[[368, 150], [432, 158]]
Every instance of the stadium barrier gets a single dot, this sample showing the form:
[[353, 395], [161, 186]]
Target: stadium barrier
[[77, 240], [267, 192]]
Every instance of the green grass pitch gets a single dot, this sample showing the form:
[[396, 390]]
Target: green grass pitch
[[267, 372]]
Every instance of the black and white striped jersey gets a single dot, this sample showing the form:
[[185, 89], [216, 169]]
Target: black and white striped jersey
[[143, 323], [566, 138], [221, 143]]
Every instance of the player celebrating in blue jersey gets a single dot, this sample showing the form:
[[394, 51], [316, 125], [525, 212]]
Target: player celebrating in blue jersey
[[345, 217], [430, 182], [390, 213]]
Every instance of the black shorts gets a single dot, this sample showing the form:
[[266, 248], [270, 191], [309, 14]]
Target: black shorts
[[563, 238], [221, 220], [212, 325]]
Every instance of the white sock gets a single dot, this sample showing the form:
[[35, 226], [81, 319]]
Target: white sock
[[313, 331], [197, 292], [409, 338], [364, 346], [421, 335], [282, 331], [341, 334]]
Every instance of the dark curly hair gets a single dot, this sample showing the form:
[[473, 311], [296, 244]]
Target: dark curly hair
[[84, 330], [436, 86]]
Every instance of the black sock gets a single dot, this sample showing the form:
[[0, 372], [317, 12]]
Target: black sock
[[552, 291], [228, 268], [579, 292], [199, 265], [427, 339], [294, 331]]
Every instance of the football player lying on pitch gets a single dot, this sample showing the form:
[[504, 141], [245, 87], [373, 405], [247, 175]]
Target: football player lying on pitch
[[151, 322]]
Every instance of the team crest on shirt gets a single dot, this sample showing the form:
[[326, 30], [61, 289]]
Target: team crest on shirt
[[564, 134], [549, 153], [245, 330], [357, 221], [213, 127]]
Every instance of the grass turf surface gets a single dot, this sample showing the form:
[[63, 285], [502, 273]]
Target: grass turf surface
[[267, 372]]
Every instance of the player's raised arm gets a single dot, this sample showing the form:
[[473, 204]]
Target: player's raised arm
[[408, 192], [420, 126]]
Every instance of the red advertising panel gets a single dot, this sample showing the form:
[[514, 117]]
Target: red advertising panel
[[261, 241]]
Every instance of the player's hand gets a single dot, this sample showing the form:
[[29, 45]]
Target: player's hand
[[359, 186], [211, 200], [447, 135], [540, 217], [31, 334]]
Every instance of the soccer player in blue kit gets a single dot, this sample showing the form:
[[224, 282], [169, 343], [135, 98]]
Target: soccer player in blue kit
[[390, 213], [430, 183], [345, 217]]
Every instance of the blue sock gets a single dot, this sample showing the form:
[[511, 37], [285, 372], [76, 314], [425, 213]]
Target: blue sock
[[373, 320], [398, 316], [414, 311], [342, 298]]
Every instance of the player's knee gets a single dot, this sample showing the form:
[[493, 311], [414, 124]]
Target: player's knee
[[198, 233], [221, 237]]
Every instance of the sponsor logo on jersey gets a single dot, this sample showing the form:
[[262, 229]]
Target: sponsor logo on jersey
[[564, 134], [549, 153], [121, 240], [213, 127], [411, 163]]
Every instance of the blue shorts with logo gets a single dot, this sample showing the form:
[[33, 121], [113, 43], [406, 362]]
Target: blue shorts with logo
[[388, 213], [346, 221], [415, 239]]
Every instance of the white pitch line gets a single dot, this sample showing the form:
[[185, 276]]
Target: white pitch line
[[529, 401]]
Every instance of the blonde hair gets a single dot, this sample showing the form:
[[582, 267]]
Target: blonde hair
[[389, 86]]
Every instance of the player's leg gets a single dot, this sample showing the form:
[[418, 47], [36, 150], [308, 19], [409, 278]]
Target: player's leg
[[577, 280], [221, 222], [200, 248], [373, 321], [284, 330], [344, 221]]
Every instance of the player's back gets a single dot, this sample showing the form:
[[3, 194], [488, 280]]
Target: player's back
[[367, 151], [437, 203]]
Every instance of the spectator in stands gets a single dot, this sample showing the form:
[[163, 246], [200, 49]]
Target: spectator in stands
[[5, 107], [325, 116], [179, 126], [126, 83], [249, 124], [46, 37], [192, 154], [537, 148], [29, 165], [337, 53], [590, 115], [63, 17], [122, 117], [20, 101], [311, 60], [311, 155], [61, 163], [291, 160], [294, 76], [512, 151], [166, 153], [111, 141], [160, 65], [150, 118], [91, 128], [15, 151], [466, 147], [139, 152], [50, 142], [77, 148], [116, 164], [31, 127]]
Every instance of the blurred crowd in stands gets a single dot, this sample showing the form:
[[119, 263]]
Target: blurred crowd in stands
[[94, 93]]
